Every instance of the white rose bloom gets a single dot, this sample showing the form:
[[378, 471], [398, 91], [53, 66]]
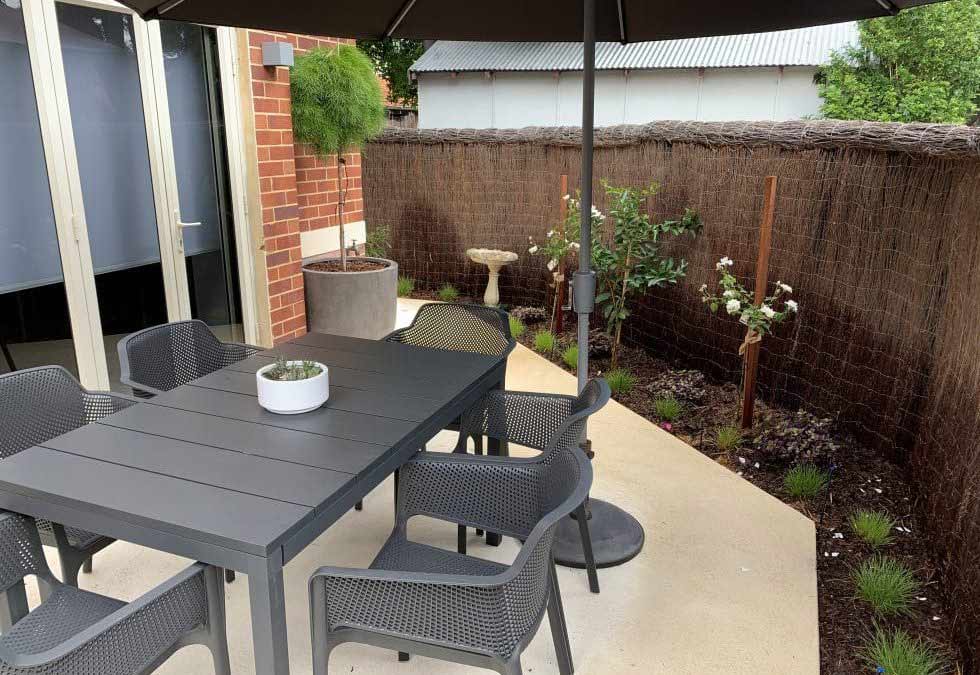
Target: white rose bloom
[[567, 197], [533, 250], [732, 306], [728, 294], [792, 306], [574, 246], [552, 264], [725, 262], [551, 233], [704, 287], [786, 287], [768, 311]]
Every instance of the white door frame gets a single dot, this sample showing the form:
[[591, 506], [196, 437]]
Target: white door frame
[[61, 159]]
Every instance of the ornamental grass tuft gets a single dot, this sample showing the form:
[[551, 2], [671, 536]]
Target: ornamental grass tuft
[[405, 286], [668, 408], [570, 357], [620, 381], [873, 527], [448, 293], [544, 342], [898, 653], [517, 327], [886, 585], [805, 481]]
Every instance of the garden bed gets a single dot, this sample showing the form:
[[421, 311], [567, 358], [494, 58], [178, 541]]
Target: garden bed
[[859, 479]]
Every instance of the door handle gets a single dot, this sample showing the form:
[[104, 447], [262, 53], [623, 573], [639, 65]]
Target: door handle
[[180, 229]]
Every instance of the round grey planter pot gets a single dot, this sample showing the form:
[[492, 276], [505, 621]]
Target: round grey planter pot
[[355, 304]]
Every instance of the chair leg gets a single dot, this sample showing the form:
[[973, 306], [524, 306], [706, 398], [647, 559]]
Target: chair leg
[[461, 539], [512, 667], [69, 569], [583, 527], [359, 506], [87, 565], [13, 606], [403, 656], [559, 629], [477, 450], [229, 576], [217, 622]]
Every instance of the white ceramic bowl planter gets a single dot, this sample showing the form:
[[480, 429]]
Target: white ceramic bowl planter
[[291, 397]]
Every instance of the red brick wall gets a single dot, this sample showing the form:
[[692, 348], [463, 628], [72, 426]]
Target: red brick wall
[[298, 190]]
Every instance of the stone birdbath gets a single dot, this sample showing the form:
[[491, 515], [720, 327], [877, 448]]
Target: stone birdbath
[[494, 260]]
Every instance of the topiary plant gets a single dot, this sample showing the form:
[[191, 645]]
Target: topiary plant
[[337, 107]]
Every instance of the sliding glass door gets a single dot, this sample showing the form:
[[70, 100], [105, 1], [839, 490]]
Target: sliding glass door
[[126, 120]]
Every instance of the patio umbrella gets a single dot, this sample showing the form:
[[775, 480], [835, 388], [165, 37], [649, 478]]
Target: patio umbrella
[[617, 536]]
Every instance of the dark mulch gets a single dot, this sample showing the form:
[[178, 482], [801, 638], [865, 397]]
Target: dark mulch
[[860, 479], [353, 265]]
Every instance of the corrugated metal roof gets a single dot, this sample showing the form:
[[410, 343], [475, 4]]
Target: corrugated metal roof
[[797, 47]]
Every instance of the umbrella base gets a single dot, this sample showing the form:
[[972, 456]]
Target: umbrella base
[[617, 537]]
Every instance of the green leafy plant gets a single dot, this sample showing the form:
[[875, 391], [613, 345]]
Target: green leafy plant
[[517, 327], [885, 584], [448, 293], [544, 342], [570, 357], [405, 286], [632, 264], [620, 380], [922, 65], [805, 481], [378, 244], [898, 653], [668, 408], [728, 438], [392, 58], [337, 106], [285, 370], [874, 527]]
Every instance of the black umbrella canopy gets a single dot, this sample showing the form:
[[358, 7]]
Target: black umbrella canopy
[[518, 20]]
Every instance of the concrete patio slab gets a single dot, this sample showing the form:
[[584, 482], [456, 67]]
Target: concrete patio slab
[[726, 583]]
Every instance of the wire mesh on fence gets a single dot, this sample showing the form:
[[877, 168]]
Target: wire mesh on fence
[[876, 228]]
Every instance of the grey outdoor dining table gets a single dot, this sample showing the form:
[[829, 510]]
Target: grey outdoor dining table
[[203, 472]]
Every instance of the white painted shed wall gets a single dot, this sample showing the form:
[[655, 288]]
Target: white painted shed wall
[[519, 99]]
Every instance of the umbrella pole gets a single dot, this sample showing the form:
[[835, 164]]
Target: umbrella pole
[[616, 536]]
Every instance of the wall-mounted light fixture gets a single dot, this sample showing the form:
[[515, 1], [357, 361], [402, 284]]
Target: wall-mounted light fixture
[[277, 54]]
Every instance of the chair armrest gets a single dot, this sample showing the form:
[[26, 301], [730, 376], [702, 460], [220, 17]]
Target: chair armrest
[[134, 634], [98, 404], [497, 494], [233, 352], [395, 335], [21, 555], [427, 607], [525, 418]]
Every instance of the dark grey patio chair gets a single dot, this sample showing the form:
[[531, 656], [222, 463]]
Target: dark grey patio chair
[[161, 358], [75, 632], [461, 328], [425, 600], [36, 405], [534, 421]]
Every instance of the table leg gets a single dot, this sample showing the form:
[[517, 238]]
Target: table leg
[[267, 601]]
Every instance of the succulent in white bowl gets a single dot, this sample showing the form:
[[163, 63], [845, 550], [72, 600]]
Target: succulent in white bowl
[[292, 387]]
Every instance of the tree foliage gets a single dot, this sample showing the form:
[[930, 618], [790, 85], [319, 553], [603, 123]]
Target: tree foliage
[[392, 58], [337, 100], [922, 65]]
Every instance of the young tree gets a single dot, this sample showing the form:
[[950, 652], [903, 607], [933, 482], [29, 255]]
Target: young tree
[[392, 58], [922, 65]]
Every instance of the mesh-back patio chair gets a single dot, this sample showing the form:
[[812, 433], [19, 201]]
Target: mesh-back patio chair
[[36, 405], [75, 632], [161, 358], [533, 420], [425, 600], [461, 328]]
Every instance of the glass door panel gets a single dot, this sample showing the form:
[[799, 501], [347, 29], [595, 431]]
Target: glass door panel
[[35, 328], [102, 72], [200, 159]]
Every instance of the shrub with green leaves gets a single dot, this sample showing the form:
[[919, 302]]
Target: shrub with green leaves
[[517, 327], [378, 243], [805, 481], [405, 286], [728, 438], [898, 653], [668, 408], [885, 584], [570, 356], [448, 293], [544, 342], [620, 380], [873, 527]]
